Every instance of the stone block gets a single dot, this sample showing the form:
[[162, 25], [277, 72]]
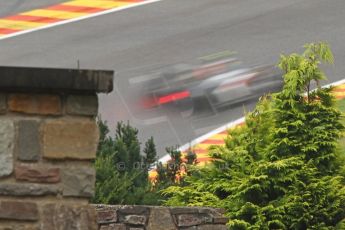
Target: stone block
[[25, 226], [37, 174], [7, 137], [212, 227], [72, 217], [73, 139], [3, 103], [113, 227], [220, 220], [185, 220], [132, 209], [106, 217], [184, 210], [28, 140], [134, 219], [41, 104], [221, 211], [78, 182], [211, 211], [20, 189], [190, 228], [82, 105], [14, 210], [160, 219]]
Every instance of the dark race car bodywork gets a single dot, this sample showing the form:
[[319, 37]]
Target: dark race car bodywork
[[211, 86]]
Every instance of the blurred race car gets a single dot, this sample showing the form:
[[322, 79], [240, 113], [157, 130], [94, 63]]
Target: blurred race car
[[211, 86]]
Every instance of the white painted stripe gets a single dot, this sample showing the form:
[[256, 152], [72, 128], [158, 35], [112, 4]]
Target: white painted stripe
[[340, 82], [78, 19], [227, 126], [143, 78], [151, 121]]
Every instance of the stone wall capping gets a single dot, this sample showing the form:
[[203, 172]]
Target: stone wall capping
[[133, 209], [29, 79], [184, 210], [159, 218]]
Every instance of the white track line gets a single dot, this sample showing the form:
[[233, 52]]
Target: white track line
[[227, 126], [78, 19]]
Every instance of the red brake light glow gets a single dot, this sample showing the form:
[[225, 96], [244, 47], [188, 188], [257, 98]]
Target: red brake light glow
[[173, 97]]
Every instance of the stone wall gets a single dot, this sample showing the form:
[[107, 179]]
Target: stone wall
[[48, 137], [116, 217]]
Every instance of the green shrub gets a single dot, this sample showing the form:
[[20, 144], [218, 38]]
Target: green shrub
[[284, 168]]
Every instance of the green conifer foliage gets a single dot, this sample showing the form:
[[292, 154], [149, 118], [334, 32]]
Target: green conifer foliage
[[121, 169], [283, 169], [150, 152]]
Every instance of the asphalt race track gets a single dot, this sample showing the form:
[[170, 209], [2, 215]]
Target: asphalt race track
[[136, 41]]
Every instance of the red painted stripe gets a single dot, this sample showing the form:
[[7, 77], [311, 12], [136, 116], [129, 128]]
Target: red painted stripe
[[32, 18], [79, 9], [200, 151], [213, 142], [339, 97], [7, 31], [204, 159]]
